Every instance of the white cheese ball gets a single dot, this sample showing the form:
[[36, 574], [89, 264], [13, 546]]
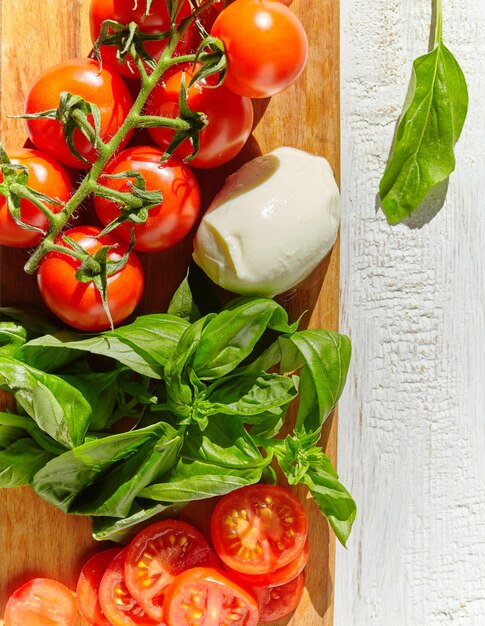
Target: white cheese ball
[[271, 224]]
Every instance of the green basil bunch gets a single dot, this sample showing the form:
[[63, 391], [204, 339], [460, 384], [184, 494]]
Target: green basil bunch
[[172, 408]]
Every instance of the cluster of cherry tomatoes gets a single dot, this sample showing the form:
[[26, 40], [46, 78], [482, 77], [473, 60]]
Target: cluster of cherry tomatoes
[[266, 49], [170, 574]]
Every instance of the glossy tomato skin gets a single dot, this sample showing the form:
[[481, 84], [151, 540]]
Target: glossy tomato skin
[[85, 78], [277, 602], [41, 602], [157, 555], [200, 589], [88, 585], [276, 577], [126, 11], [45, 175], [266, 47], [229, 116], [258, 529], [79, 304], [193, 38], [170, 221], [116, 602]]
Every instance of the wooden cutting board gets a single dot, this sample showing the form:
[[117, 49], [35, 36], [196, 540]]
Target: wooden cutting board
[[35, 538]]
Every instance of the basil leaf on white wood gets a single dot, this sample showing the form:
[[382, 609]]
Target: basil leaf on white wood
[[430, 125]]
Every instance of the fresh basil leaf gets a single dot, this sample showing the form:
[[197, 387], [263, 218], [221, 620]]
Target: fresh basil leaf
[[114, 494], [35, 323], [101, 391], [59, 409], [430, 124], [327, 356], [267, 425], [196, 480], [180, 393], [123, 530], [182, 304], [144, 346], [12, 336], [333, 500], [9, 434], [20, 462], [231, 336], [65, 477], [250, 395], [222, 442]]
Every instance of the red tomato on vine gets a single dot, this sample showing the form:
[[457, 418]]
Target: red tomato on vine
[[125, 11], [45, 175], [168, 222], [79, 304], [266, 47], [85, 78], [229, 118]]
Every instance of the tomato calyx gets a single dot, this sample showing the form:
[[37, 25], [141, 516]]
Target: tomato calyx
[[130, 42], [134, 205], [13, 187], [74, 113], [97, 267]]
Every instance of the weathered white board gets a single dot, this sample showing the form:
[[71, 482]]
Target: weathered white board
[[412, 421]]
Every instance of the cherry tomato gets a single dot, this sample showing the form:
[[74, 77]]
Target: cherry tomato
[[88, 585], [277, 577], [206, 596], [168, 222], [85, 78], [266, 47], [277, 602], [258, 529], [45, 175], [126, 11], [157, 555], [79, 304], [41, 602], [116, 602], [229, 116]]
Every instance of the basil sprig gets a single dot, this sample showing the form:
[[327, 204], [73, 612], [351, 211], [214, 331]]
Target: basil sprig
[[200, 402], [429, 127]]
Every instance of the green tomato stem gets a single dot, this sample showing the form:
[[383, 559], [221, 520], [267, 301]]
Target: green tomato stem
[[22, 191], [107, 150]]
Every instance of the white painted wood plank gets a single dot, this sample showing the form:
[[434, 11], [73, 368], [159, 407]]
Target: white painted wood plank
[[412, 420]]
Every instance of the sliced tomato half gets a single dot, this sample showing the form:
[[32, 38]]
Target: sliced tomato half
[[117, 603], [277, 577], [204, 596], [88, 585], [158, 554], [278, 602], [41, 602], [258, 529]]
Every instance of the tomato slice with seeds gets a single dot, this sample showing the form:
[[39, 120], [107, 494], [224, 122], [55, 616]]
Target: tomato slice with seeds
[[258, 529], [117, 603], [157, 555], [204, 596], [41, 602], [279, 576], [88, 585], [278, 602]]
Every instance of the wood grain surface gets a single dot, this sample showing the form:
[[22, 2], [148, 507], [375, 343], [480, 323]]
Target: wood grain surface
[[35, 538], [412, 427]]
